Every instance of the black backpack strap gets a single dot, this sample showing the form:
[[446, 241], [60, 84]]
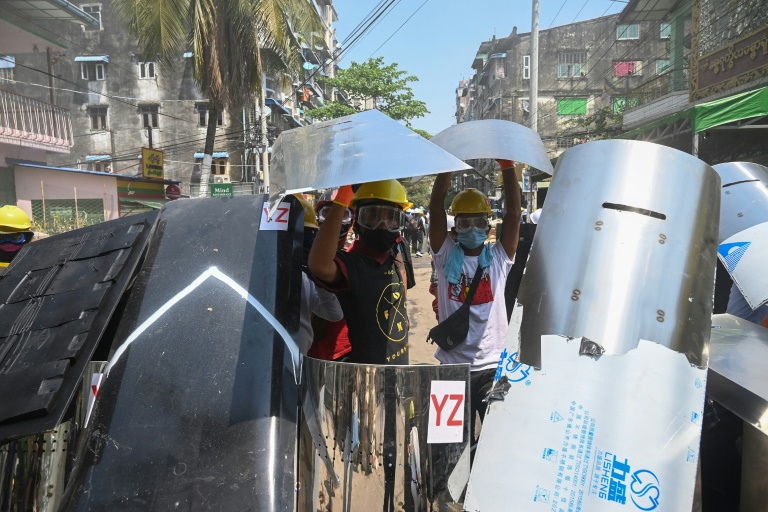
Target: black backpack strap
[[474, 285]]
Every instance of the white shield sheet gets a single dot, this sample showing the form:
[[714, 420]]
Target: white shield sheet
[[591, 434]]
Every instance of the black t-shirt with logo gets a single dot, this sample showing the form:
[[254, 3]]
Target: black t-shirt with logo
[[374, 308]]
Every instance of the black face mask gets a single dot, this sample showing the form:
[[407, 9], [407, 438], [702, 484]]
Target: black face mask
[[379, 239]]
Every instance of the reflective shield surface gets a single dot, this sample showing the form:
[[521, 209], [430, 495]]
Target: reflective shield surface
[[494, 138], [366, 444], [744, 198], [363, 147], [199, 407], [625, 250], [738, 357]]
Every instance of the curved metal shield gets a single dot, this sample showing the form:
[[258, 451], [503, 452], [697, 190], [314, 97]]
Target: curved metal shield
[[494, 138], [744, 198], [368, 146], [370, 442], [625, 250]]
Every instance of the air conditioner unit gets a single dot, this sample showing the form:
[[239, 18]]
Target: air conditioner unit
[[221, 179]]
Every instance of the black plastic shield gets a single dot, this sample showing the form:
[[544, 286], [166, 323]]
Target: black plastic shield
[[199, 409], [56, 300]]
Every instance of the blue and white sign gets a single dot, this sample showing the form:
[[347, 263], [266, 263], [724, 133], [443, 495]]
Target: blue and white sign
[[745, 255]]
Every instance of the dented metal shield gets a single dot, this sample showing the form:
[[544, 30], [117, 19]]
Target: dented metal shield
[[744, 197], [365, 437], [363, 147], [625, 250], [494, 138]]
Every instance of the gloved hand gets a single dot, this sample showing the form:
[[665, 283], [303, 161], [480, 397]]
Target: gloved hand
[[344, 195], [506, 164]]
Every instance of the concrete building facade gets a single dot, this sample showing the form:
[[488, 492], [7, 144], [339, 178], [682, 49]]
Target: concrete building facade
[[713, 101], [121, 102], [586, 70]]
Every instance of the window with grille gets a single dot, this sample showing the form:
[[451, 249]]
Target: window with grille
[[620, 104], [662, 66], [564, 142], [147, 70], [7, 67], [94, 10], [149, 115], [202, 115], [628, 68], [572, 65], [92, 71], [665, 32], [628, 31], [526, 67], [62, 215], [571, 106], [98, 117], [218, 166], [102, 166]]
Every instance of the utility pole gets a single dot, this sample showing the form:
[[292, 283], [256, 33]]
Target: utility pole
[[149, 135], [534, 93], [264, 133]]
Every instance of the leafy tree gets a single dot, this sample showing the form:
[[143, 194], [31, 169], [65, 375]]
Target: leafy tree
[[603, 124], [373, 84], [233, 43], [418, 192]]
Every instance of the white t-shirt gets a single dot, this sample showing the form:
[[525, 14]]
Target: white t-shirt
[[320, 302], [488, 313]]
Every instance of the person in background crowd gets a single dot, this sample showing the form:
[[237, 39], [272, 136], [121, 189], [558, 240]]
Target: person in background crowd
[[368, 280], [331, 342], [417, 232], [456, 265], [15, 233], [313, 300]]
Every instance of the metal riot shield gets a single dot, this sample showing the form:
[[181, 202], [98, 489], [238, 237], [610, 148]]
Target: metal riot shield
[[744, 197], [198, 409], [494, 138], [368, 146], [614, 308], [622, 254], [382, 437], [743, 238]]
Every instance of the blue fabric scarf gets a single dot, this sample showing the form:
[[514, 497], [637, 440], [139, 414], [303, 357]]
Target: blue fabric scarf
[[455, 262]]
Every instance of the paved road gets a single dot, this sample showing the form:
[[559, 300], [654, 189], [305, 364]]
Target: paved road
[[420, 314]]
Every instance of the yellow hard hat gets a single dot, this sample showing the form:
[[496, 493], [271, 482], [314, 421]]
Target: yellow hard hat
[[470, 200], [310, 219], [13, 218], [385, 190]]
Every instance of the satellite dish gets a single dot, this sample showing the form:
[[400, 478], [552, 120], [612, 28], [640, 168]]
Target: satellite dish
[[308, 66]]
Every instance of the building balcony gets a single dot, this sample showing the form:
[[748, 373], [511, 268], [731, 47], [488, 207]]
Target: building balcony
[[662, 95], [35, 124]]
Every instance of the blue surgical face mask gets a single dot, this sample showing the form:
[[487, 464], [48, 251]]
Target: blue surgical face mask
[[473, 238]]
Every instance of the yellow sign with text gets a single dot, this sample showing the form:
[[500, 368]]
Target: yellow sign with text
[[152, 163]]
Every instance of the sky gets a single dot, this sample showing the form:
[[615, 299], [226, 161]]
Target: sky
[[439, 43]]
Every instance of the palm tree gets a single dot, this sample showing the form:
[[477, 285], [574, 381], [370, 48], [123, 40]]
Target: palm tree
[[234, 42]]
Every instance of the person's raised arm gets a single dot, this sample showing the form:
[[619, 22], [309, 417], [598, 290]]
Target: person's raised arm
[[322, 262], [511, 222], [438, 222]]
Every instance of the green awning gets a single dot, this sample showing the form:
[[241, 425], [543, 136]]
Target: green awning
[[155, 205], [733, 108], [715, 113]]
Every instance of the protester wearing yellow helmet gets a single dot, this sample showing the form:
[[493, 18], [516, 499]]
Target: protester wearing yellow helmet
[[15, 233], [313, 300], [367, 279], [458, 264]]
